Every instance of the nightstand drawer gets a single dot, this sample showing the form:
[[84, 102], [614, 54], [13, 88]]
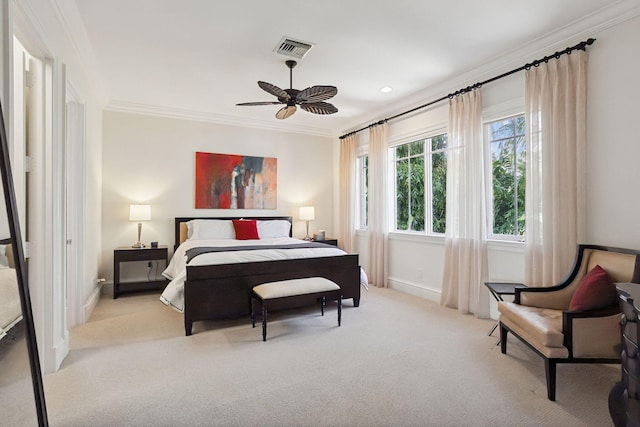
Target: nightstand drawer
[[140, 254]]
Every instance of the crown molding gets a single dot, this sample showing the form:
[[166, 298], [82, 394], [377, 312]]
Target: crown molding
[[589, 26], [200, 116]]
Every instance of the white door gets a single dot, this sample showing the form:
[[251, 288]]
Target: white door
[[74, 201]]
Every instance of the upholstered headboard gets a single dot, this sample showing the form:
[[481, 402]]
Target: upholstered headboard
[[180, 226]]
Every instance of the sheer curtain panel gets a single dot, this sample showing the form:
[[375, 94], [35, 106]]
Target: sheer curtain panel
[[555, 109], [465, 258], [348, 194], [378, 205]]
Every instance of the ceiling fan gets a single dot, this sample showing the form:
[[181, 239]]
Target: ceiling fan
[[309, 99]]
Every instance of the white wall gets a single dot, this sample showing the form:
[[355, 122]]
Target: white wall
[[151, 159], [38, 26], [613, 141], [613, 150]]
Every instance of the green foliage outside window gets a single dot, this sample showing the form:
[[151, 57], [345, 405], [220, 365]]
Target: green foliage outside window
[[363, 192], [508, 155], [421, 174], [439, 182], [402, 194], [411, 184]]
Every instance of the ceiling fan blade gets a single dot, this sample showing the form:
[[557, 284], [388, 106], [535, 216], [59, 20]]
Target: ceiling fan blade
[[319, 108], [285, 112], [274, 90], [317, 94], [260, 103]]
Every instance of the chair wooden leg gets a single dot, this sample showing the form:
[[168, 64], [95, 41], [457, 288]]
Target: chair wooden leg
[[503, 339], [550, 371]]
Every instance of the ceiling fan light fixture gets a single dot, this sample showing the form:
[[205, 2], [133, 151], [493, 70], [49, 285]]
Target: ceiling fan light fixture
[[285, 112]]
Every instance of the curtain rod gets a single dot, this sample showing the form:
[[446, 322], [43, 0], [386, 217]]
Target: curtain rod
[[580, 46]]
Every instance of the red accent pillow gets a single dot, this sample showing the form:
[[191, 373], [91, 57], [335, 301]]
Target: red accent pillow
[[246, 229], [596, 290]]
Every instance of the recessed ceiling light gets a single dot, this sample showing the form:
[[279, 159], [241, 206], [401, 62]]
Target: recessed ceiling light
[[386, 89]]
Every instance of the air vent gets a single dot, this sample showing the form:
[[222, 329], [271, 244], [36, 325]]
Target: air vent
[[293, 48]]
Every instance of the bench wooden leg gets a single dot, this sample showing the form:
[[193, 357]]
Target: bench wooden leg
[[323, 303], [253, 314], [339, 309], [264, 321]]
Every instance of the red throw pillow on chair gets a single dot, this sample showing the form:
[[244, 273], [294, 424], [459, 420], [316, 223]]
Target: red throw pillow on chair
[[596, 290], [246, 229]]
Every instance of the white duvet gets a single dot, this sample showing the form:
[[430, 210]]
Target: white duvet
[[176, 271], [10, 309]]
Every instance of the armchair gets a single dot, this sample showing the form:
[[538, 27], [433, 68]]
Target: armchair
[[540, 316]]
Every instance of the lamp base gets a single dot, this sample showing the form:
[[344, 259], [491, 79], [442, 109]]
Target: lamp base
[[139, 245], [307, 237]]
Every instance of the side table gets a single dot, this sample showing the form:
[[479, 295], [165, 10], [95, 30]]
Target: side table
[[127, 254], [328, 241], [498, 289]]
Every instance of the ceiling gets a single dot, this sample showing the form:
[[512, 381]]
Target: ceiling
[[198, 58]]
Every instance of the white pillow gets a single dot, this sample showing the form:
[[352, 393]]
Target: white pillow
[[273, 228], [204, 229]]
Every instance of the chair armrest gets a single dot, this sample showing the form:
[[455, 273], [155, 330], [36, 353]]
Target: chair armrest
[[592, 333], [555, 297]]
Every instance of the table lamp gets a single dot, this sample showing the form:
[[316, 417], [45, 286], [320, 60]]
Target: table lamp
[[307, 213], [139, 213]]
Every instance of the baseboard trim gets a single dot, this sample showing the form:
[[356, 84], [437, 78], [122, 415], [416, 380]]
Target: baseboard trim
[[61, 350], [91, 303], [414, 289]]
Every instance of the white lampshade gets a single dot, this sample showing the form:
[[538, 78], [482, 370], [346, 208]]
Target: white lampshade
[[307, 213], [139, 212]]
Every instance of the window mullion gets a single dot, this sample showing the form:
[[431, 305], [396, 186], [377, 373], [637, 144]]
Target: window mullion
[[428, 185]]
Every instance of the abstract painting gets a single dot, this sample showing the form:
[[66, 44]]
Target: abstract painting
[[228, 181]]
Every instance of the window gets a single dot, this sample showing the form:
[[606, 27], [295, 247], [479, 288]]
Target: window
[[362, 177], [420, 185], [506, 140], [439, 182]]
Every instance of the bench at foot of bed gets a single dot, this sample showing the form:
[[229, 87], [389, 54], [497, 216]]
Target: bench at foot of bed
[[317, 287]]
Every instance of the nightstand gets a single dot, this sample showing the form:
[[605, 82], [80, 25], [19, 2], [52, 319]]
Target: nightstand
[[127, 254], [328, 241]]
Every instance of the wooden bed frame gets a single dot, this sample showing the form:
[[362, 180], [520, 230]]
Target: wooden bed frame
[[223, 291]]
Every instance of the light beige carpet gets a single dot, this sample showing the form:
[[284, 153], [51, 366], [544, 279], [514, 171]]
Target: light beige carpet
[[397, 360]]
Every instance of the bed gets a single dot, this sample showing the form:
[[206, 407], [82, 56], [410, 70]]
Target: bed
[[10, 308], [215, 266]]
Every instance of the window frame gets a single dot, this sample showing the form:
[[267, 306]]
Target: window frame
[[426, 154], [489, 177]]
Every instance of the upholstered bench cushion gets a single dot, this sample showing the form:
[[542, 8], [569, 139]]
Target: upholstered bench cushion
[[294, 287], [543, 325]]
